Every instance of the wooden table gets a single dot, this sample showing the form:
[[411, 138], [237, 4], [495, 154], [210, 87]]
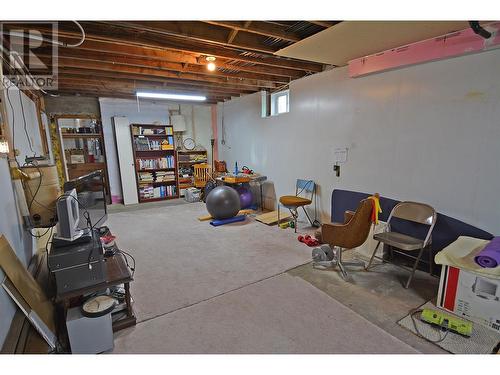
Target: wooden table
[[117, 272]]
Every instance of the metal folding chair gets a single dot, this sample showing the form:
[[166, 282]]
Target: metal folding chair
[[304, 195], [412, 211]]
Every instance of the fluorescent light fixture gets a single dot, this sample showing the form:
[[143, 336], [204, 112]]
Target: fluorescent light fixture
[[160, 95]]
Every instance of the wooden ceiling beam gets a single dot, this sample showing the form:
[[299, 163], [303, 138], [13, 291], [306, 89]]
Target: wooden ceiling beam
[[259, 28], [97, 88], [195, 30], [111, 67], [325, 24], [179, 57], [97, 39], [163, 65], [139, 85], [122, 95], [138, 77], [97, 48]]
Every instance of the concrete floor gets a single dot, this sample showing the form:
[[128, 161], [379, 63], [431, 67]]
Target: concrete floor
[[117, 207], [378, 295]]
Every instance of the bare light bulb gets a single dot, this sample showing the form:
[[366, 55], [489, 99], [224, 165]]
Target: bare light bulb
[[211, 66], [4, 146]]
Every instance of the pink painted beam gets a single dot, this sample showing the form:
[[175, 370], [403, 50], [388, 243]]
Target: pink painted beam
[[446, 46]]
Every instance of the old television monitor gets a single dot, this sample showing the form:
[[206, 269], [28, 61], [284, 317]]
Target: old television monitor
[[91, 195], [68, 217]]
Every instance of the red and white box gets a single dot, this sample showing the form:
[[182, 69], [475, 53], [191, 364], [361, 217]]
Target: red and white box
[[476, 298]]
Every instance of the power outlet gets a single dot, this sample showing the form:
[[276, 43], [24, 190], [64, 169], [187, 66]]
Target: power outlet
[[336, 169]]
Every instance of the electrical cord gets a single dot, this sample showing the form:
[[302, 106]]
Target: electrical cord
[[13, 124], [47, 247], [414, 321], [315, 222], [20, 61], [33, 196], [126, 261], [52, 41], [103, 231]]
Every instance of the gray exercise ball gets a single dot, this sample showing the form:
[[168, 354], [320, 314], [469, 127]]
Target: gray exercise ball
[[223, 202]]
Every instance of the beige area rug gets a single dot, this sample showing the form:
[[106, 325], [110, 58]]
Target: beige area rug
[[282, 314], [182, 261]]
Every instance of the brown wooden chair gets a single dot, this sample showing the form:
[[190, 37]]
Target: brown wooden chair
[[348, 235], [201, 174]]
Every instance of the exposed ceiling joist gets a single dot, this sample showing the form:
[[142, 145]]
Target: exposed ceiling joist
[[259, 28], [78, 80], [117, 94], [124, 89], [118, 58], [196, 31], [325, 24], [111, 67], [98, 39], [168, 81], [92, 57]]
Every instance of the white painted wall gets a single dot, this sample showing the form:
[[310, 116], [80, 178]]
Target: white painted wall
[[197, 117], [11, 223], [428, 133]]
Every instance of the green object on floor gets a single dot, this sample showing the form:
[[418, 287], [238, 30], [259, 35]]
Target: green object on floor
[[291, 224], [446, 321]]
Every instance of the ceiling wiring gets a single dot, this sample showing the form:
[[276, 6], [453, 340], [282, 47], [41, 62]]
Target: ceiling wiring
[[52, 41]]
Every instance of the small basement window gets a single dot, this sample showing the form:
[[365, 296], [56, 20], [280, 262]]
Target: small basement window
[[280, 102]]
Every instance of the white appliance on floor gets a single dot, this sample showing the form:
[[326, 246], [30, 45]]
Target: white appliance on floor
[[89, 335]]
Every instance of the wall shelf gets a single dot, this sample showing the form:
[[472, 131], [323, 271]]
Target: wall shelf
[[187, 159], [82, 153], [81, 135]]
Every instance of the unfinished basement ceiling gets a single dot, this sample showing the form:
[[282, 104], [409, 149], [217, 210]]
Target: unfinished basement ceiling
[[119, 58], [353, 39]]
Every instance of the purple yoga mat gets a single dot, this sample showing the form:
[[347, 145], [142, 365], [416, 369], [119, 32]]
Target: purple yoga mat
[[489, 257]]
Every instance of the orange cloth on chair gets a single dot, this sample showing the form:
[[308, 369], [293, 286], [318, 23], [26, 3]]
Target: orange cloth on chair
[[376, 207]]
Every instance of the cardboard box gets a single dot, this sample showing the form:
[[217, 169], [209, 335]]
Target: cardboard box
[[474, 297]]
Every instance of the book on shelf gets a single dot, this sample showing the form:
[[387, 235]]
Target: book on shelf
[[146, 144], [157, 163], [156, 130], [152, 192], [164, 176], [158, 176], [141, 144]]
